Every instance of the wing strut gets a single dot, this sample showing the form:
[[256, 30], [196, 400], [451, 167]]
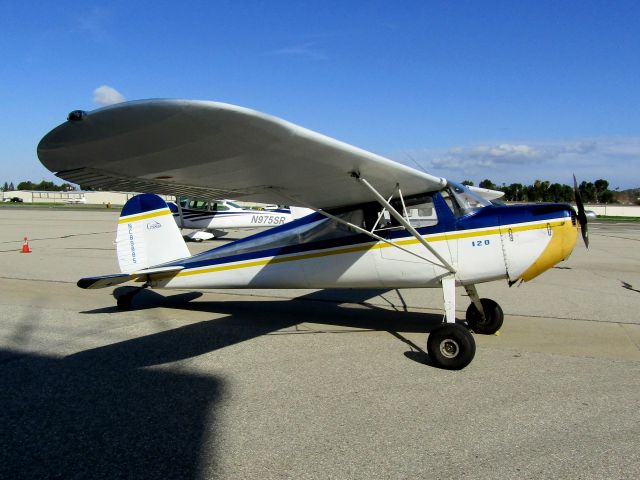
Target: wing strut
[[402, 220]]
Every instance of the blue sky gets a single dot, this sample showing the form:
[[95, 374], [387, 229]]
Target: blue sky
[[511, 91]]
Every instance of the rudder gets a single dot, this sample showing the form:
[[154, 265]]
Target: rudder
[[147, 234]]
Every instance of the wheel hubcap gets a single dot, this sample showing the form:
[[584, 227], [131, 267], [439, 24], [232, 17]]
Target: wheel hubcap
[[449, 348]]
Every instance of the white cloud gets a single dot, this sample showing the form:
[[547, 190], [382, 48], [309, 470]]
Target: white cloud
[[616, 159], [106, 95], [488, 156]]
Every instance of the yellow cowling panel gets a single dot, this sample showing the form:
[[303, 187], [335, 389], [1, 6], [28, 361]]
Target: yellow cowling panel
[[563, 239]]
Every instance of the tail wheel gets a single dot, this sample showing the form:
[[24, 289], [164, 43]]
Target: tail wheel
[[492, 321], [451, 346]]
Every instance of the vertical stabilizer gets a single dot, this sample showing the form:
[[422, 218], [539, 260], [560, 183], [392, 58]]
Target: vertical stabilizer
[[147, 234]]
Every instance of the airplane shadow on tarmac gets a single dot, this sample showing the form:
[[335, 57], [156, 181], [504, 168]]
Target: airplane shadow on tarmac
[[324, 307], [255, 318], [100, 413]]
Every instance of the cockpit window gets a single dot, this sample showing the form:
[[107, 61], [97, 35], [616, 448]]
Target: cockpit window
[[419, 211], [219, 207], [463, 200], [199, 205]]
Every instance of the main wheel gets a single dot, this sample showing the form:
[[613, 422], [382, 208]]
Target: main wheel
[[493, 317], [451, 346]]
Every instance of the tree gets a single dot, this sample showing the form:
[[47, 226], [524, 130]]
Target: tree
[[545, 191], [486, 183], [468, 183], [5, 187], [26, 186], [11, 187], [514, 192], [45, 186], [559, 193], [587, 192], [600, 187]]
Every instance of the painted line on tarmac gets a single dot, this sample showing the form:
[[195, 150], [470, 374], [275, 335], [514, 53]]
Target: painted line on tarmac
[[58, 238], [37, 280]]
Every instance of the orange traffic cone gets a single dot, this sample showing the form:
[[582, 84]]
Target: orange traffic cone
[[25, 246]]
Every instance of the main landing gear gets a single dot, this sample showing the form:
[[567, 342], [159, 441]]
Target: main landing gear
[[450, 345]]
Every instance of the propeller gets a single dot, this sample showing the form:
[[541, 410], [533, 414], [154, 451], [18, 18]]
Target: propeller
[[582, 216]]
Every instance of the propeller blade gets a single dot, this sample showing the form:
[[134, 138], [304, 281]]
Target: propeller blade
[[582, 216]]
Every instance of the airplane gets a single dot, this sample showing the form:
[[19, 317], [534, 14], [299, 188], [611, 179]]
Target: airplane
[[213, 218], [376, 223]]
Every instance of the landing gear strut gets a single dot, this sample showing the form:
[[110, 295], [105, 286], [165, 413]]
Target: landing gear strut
[[450, 345]]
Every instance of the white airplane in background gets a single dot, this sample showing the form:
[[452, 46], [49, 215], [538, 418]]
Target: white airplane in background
[[213, 218], [438, 233]]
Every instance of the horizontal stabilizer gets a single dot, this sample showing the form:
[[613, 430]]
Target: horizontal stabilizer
[[148, 271], [104, 280]]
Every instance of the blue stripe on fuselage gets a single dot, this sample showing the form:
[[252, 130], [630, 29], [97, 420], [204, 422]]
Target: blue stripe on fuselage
[[486, 217]]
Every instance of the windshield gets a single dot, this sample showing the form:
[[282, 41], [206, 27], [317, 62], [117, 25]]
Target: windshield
[[466, 201]]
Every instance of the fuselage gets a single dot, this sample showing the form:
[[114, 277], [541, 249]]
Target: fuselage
[[482, 244]]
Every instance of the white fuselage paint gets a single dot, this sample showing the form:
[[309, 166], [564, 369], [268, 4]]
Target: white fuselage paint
[[479, 255], [230, 220]]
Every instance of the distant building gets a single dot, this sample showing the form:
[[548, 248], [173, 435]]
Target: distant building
[[74, 197]]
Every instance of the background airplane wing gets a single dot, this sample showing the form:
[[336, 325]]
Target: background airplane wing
[[215, 150]]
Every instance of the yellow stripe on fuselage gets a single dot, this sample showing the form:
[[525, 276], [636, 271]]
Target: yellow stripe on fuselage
[[144, 216], [360, 248]]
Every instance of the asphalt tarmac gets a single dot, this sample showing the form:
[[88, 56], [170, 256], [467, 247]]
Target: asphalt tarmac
[[309, 384]]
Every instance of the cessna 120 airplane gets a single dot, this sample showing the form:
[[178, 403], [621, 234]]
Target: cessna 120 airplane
[[213, 218], [377, 223]]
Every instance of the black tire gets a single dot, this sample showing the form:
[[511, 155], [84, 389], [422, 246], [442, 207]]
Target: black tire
[[492, 321], [451, 346]]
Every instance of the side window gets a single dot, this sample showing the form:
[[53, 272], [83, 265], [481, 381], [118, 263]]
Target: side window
[[198, 204], [422, 215], [421, 212], [379, 220]]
